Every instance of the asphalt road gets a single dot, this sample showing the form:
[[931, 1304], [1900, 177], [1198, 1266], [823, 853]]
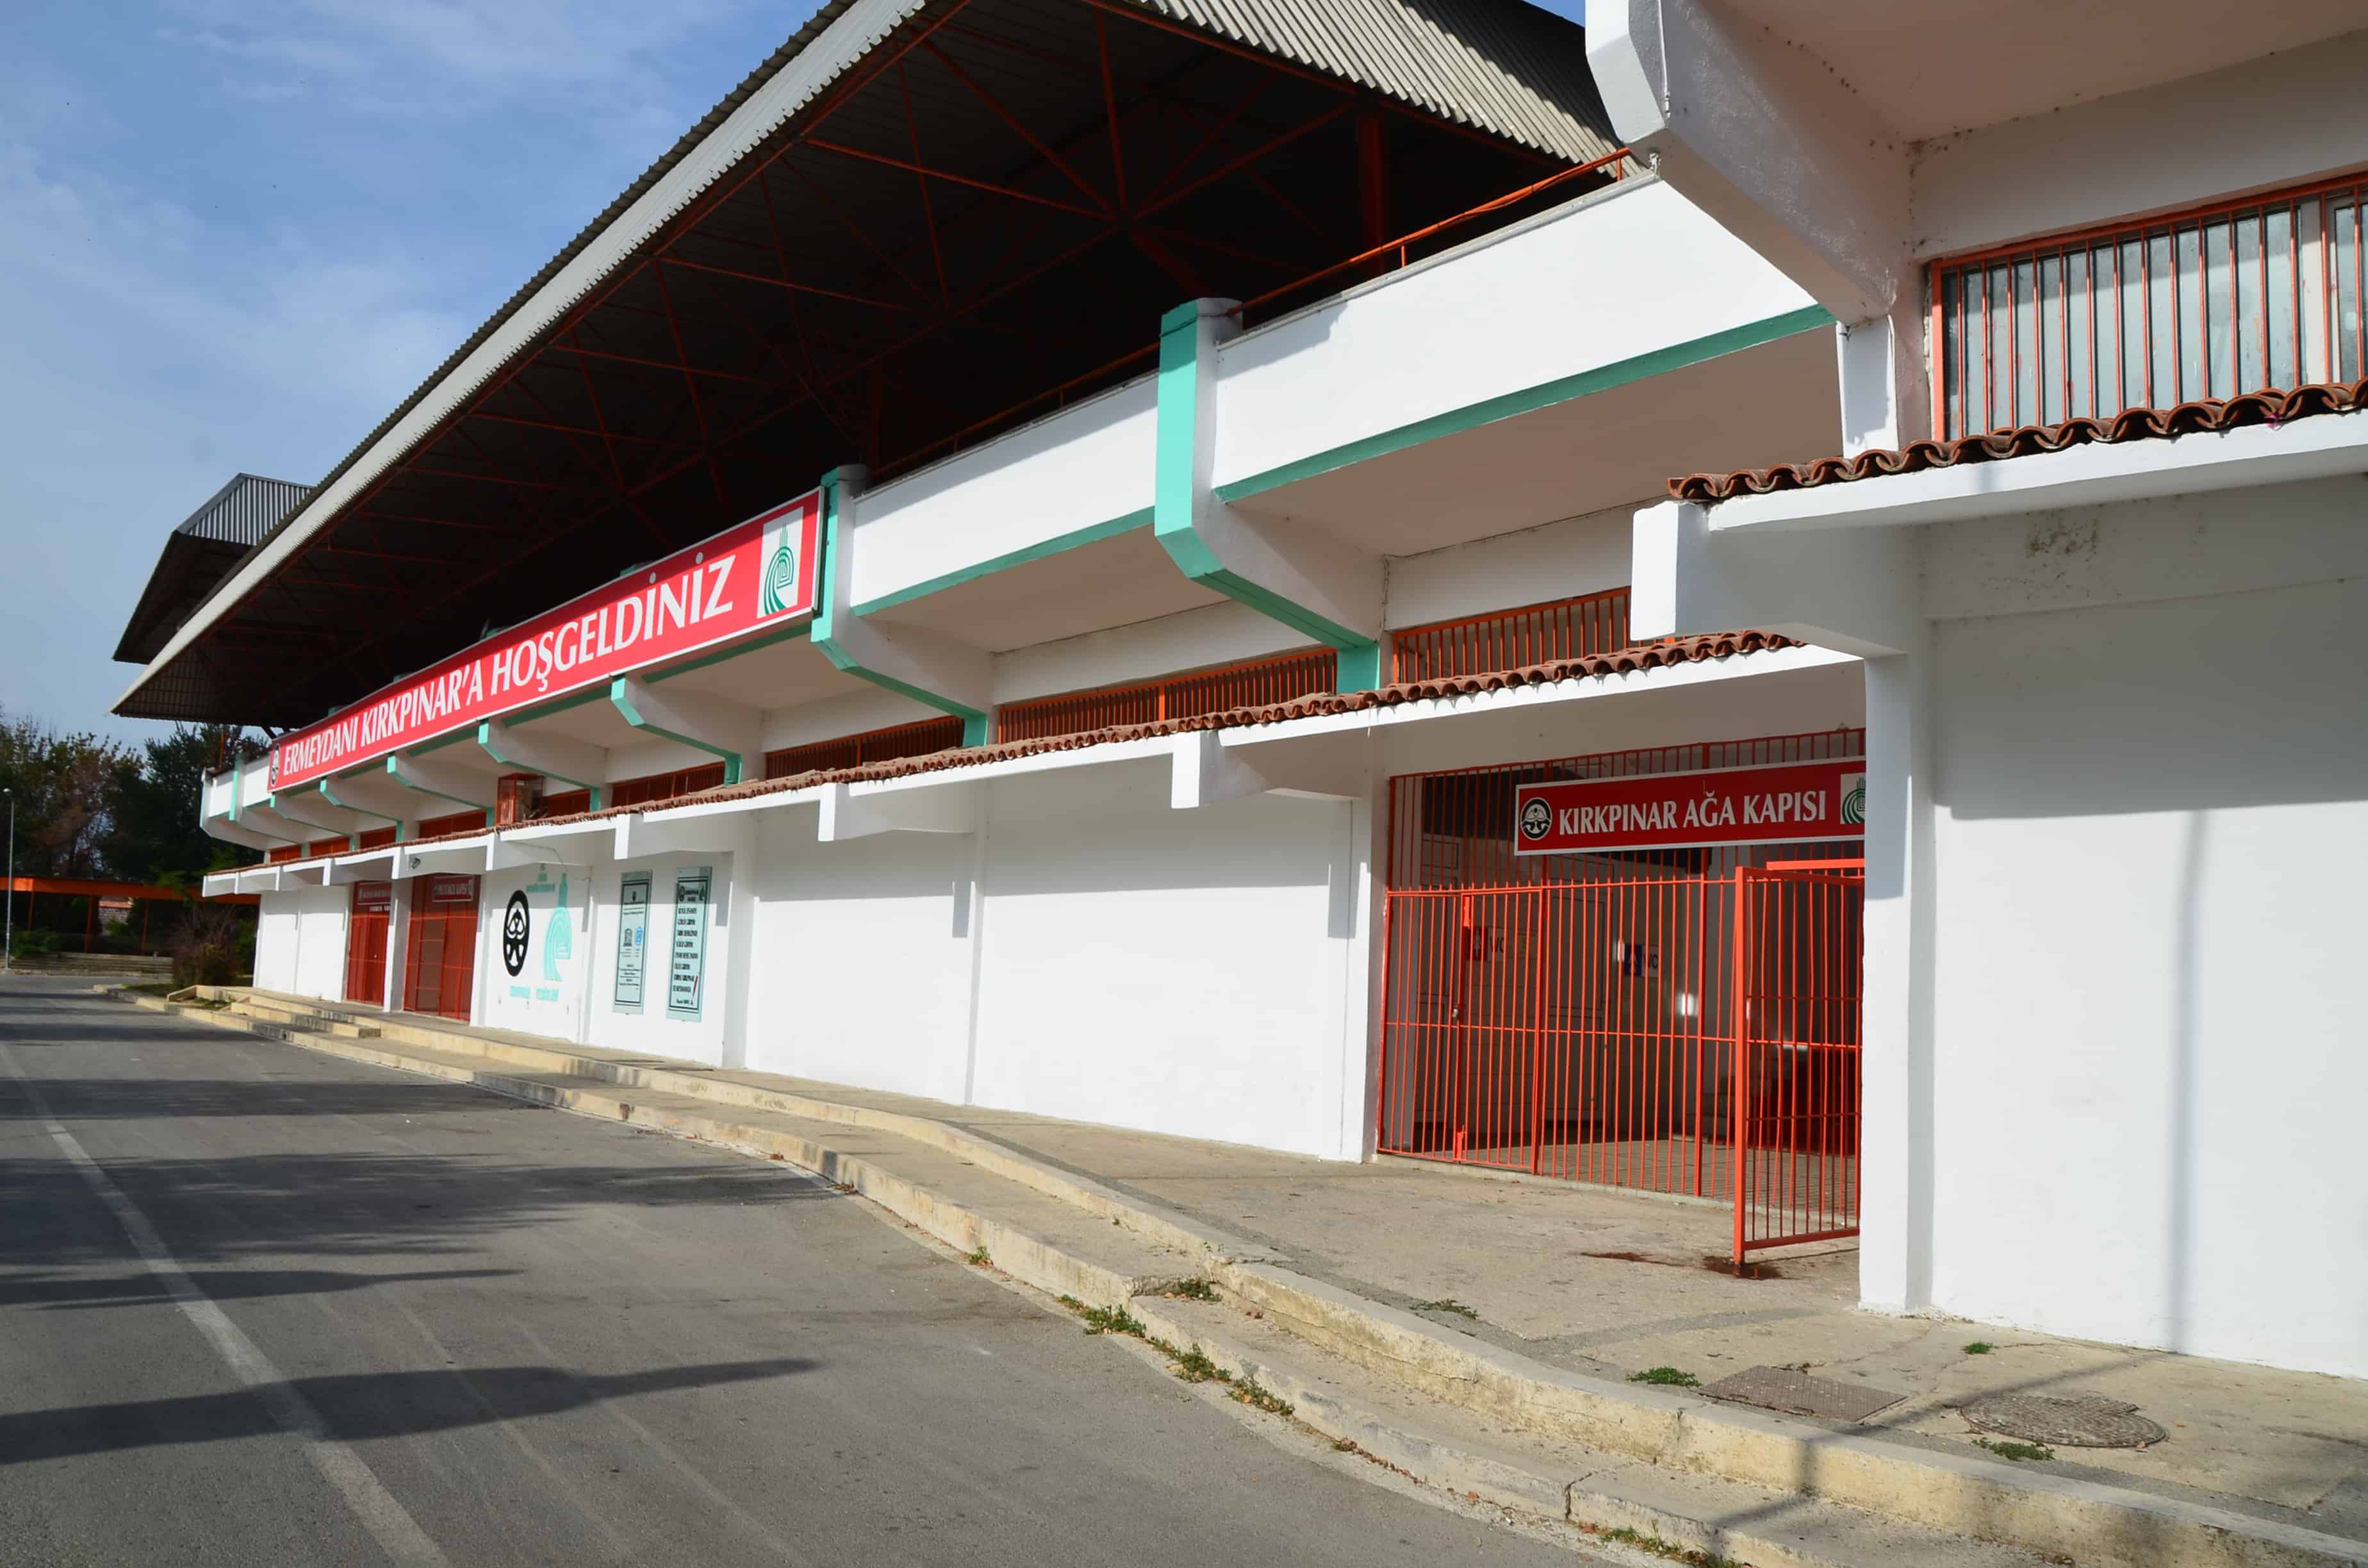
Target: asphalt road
[[262, 1306]]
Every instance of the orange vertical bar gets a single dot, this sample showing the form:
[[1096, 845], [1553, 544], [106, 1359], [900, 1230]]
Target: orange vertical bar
[[1742, 1113]]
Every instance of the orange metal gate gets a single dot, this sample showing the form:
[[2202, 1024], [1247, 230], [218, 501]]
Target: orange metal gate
[[366, 943], [1798, 927], [439, 962], [1575, 1016]]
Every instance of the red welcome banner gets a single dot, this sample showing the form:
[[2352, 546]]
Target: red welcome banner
[[1770, 803], [760, 574]]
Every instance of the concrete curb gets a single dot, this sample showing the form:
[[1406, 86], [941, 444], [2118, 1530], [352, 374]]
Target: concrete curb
[[2085, 1522]]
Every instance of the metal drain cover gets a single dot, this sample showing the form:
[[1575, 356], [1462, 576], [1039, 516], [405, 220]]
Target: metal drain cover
[[1797, 1393], [2084, 1421]]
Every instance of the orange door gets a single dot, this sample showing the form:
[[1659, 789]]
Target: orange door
[[440, 959], [366, 943]]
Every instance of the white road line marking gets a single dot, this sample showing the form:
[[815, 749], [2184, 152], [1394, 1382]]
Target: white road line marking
[[396, 1532]]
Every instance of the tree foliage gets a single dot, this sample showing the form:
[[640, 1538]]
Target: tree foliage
[[88, 806]]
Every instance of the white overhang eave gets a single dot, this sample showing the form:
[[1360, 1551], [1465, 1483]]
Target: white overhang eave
[[2319, 447], [1579, 689], [856, 32]]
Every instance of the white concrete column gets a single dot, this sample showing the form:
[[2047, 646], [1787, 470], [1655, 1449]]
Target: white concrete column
[[1896, 1159], [740, 941], [1886, 388]]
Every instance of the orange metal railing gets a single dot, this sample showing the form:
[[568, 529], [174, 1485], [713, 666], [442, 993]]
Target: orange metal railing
[[1400, 251], [1396, 253], [1512, 639], [453, 822], [1247, 684], [2242, 296], [1575, 1016], [917, 739], [665, 786]]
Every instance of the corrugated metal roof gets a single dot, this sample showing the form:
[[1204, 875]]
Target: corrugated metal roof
[[244, 510], [201, 553], [1500, 66], [1503, 67]]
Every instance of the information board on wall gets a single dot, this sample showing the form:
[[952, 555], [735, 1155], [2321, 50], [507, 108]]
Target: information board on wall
[[633, 940], [686, 972]]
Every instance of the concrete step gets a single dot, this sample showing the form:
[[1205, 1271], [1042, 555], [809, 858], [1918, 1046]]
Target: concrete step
[[311, 1020], [1609, 1495]]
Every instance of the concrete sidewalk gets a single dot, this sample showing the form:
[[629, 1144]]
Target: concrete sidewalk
[[1519, 1307]]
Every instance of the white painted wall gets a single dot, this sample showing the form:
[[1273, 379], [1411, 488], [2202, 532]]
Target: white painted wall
[[1084, 465], [1179, 971], [2282, 119], [1558, 561], [546, 995], [653, 1028], [300, 940], [870, 707], [2151, 816], [1606, 278], [865, 970], [1213, 634]]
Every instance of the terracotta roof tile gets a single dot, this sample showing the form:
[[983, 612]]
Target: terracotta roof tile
[[1665, 653], [2130, 425]]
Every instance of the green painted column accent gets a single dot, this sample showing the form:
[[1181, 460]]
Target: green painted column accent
[[238, 806], [492, 749], [621, 697], [834, 622], [1177, 489]]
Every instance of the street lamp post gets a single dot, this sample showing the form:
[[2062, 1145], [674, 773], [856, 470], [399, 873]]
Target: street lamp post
[[8, 920]]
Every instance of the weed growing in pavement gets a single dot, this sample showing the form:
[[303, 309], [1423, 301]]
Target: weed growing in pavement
[[1447, 1304], [1689, 1556], [978, 1258], [1665, 1377], [1194, 1290], [1105, 1320], [1980, 1347], [2017, 1451], [1344, 1445], [1250, 1391], [1193, 1366]]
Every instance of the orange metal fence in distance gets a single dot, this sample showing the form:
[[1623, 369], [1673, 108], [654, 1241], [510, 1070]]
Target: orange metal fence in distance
[[1512, 639], [917, 739], [453, 822], [665, 786], [1246, 685]]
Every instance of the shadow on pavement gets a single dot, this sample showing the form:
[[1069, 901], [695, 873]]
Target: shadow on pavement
[[329, 1205], [73, 1292], [358, 1407]]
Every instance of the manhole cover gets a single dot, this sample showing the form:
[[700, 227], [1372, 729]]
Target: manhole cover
[[1797, 1393], [2084, 1421]]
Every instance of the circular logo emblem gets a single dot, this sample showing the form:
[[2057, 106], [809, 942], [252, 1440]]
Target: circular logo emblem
[[780, 581], [1537, 821], [514, 933]]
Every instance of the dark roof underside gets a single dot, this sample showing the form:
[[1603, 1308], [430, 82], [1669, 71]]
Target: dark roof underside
[[201, 553], [956, 227]]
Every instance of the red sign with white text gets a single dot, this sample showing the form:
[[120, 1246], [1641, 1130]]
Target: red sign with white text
[[1771, 803], [759, 575]]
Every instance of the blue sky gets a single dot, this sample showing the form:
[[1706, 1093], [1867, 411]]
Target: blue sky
[[234, 233]]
